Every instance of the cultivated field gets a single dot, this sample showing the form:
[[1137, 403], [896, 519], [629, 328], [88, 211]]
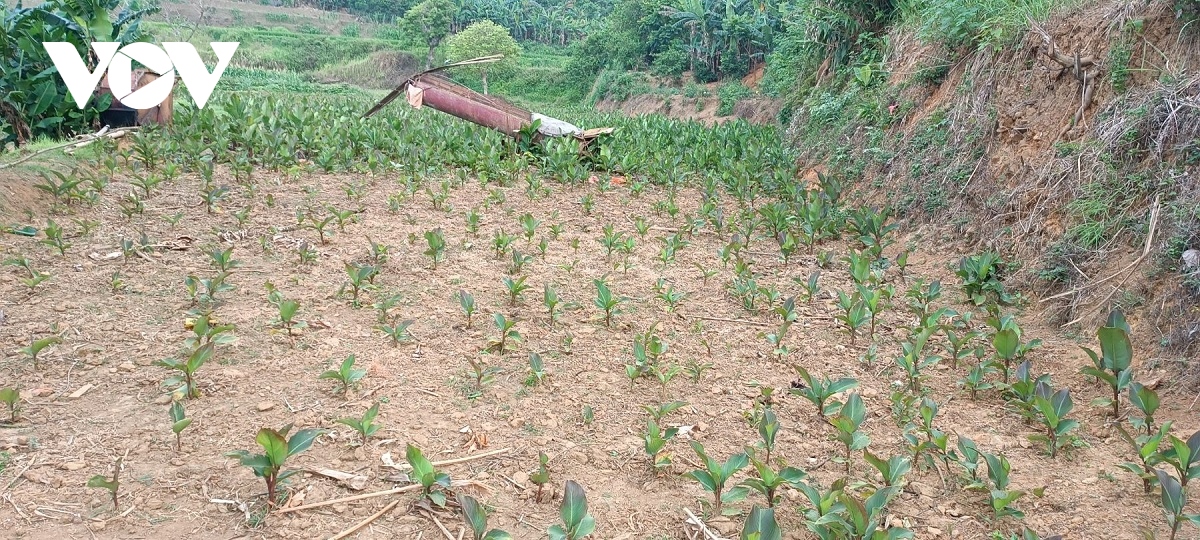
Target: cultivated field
[[682, 290]]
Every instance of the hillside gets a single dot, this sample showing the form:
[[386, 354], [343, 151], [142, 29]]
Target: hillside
[[1009, 148]]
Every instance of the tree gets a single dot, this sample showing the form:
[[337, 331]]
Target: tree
[[431, 20], [484, 38]]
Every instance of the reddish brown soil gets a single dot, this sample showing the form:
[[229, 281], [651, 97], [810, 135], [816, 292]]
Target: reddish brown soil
[[112, 339]]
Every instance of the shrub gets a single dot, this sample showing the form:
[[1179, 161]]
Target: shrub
[[734, 65], [729, 94], [308, 28], [619, 85], [276, 17], [350, 30], [390, 32], [670, 63]]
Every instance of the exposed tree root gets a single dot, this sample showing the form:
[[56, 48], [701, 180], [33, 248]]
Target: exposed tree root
[[1084, 69]]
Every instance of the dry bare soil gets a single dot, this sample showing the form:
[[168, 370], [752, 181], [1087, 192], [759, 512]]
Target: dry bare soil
[[112, 339]]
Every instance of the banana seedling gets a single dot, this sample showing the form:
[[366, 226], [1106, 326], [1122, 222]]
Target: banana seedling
[[1022, 394], [959, 344], [577, 522], [366, 425], [483, 374], [12, 398], [515, 289], [854, 314], [821, 391], [812, 286], [537, 370], [980, 275], [667, 293], [277, 448], [185, 381], [847, 422], [345, 374], [768, 429], [892, 470], [824, 509], [1114, 363], [913, 359], [606, 301], [518, 261], [501, 241], [320, 226], [654, 441], [529, 226], [359, 278], [179, 422], [473, 220], [436, 241], [398, 331], [378, 253], [1054, 409], [968, 458], [979, 378], [1145, 399], [860, 267], [761, 525], [551, 301], [873, 299], [1184, 456], [1174, 503], [925, 440], [1000, 497], [467, 302], [383, 308], [706, 273], [1007, 343], [864, 518], [36, 278], [508, 334], [36, 346], [287, 315], [223, 260], [788, 316], [205, 331], [342, 216], [541, 476], [433, 483], [1146, 447], [54, 237], [769, 481], [715, 474], [100, 481], [611, 240], [476, 517]]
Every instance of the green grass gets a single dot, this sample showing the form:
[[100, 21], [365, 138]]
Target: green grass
[[274, 81], [278, 59]]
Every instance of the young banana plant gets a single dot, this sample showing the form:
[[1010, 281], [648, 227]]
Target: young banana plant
[[768, 480], [476, 517], [577, 522], [277, 447], [821, 391], [715, 474], [761, 525], [1114, 363]]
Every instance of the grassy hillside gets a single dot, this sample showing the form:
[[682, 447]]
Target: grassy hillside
[[972, 122]]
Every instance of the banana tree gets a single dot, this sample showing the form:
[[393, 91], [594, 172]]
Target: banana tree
[[35, 102]]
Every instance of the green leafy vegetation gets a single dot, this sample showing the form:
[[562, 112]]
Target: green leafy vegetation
[[277, 448]]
